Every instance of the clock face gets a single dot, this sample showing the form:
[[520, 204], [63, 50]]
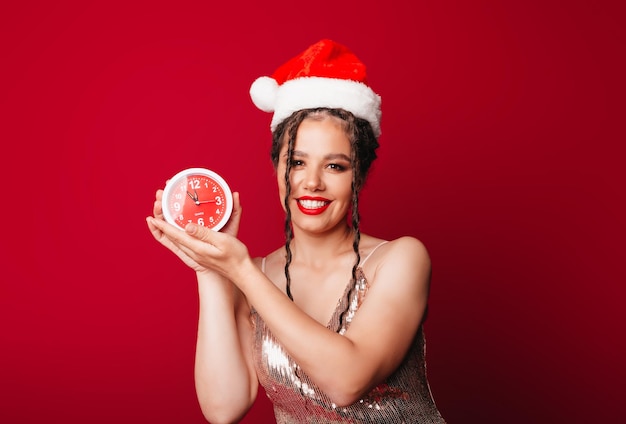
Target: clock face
[[197, 195]]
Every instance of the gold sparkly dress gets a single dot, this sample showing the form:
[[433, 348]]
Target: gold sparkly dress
[[404, 397]]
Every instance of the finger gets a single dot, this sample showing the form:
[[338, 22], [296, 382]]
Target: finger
[[232, 226], [162, 227], [236, 205], [157, 208], [156, 232], [196, 242], [199, 242], [202, 233], [170, 236]]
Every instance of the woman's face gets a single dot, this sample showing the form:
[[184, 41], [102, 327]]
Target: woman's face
[[321, 175]]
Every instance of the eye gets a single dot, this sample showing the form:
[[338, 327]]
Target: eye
[[297, 162], [336, 167]]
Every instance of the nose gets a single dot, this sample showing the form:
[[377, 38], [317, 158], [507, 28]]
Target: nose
[[313, 181]]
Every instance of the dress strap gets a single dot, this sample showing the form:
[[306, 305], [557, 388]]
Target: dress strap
[[372, 252], [263, 264]]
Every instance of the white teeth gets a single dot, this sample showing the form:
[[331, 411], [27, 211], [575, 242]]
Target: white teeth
[[312, 204]]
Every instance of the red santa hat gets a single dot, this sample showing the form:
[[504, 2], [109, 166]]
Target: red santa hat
[[327, 74]]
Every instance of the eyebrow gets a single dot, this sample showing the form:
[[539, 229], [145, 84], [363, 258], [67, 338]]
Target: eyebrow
[[330, 156]]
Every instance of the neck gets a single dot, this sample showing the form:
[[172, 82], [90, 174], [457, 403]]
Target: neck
[[314, 249]]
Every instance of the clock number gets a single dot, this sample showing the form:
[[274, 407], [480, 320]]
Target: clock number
[[218, 200], [177, 206], [201, 221], [211, 219], [194, 184], [214, 189]]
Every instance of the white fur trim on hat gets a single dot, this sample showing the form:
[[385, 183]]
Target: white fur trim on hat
[[312, 92]]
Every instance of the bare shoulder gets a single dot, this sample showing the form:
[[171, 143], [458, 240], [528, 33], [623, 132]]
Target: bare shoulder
[[273, 265], [404, 259], [271, 258], [408, 248], [403, 249]]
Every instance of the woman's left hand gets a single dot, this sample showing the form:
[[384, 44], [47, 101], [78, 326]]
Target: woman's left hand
[[221, 252]]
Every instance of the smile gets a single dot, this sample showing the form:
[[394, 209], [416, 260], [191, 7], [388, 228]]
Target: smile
[[312, 206]]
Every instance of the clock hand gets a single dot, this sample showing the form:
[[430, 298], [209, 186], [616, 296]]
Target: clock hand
[[197, 197], [194, 198], [205, 201]]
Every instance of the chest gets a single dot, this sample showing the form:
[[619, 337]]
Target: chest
[[318, 293]]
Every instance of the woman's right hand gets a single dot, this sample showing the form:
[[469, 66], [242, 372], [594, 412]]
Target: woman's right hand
[[231, 228]]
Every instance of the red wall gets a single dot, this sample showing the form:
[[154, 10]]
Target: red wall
[[502, 130]]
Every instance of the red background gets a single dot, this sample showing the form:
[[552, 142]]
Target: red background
[[501, 150]]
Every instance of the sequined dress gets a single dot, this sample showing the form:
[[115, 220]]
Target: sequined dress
[[405, 397]]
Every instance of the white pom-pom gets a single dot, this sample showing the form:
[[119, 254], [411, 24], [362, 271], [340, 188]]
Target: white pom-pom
[[263, 93]]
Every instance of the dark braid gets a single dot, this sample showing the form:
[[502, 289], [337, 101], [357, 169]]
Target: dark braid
[[288, 227], [290, 127], [355, 220], [363, 153], [363, 147]]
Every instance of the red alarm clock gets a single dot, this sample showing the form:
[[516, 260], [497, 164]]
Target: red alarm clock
[[197, 195]]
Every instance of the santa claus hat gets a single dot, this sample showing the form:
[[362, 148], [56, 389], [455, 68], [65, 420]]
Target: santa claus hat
[[327, 74]]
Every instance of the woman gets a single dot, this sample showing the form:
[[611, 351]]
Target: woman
[[330, 323]]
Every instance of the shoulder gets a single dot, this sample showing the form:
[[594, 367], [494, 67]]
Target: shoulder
[[404, 259], [272, 265], [404, 249], [276, 256], [408, 248]]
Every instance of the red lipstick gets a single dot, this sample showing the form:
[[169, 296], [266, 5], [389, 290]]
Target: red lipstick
[[312, 205]]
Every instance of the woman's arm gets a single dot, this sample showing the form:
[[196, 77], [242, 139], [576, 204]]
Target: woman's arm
[[225, 378], [344, 367], [226, 382]]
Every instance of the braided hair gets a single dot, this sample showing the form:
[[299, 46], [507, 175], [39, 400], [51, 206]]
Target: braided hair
[[363, 152]]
